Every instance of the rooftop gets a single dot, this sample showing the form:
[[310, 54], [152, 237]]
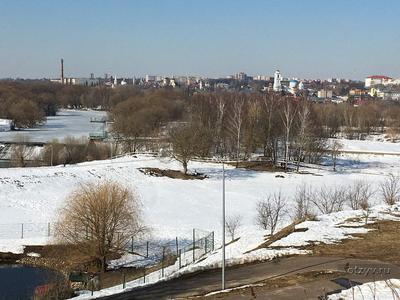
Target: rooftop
[[379, 77]]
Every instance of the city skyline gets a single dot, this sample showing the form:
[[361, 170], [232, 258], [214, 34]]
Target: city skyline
[[316, 39]]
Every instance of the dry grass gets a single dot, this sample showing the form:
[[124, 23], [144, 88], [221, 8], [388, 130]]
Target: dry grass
[[381, 242], [265, 166], [156, 172]]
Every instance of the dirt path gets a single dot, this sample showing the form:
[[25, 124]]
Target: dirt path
[[208, 281]]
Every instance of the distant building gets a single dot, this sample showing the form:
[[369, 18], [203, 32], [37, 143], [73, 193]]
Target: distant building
[[81, 81], [261, 78], [325, 94], [5, 124], [357, 92], [241, 76], [391, 95], [91, 81], [221, 85], [151, 78], [377, 80], [387, 93], [277, 81]]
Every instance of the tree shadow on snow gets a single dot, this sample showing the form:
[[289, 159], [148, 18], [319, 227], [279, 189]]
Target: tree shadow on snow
[[239, 173], [345, 164]]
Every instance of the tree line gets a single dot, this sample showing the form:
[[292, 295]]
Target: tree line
[[28, 103], [236, 125]]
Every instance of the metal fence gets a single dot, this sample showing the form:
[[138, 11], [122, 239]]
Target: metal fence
[[162, 253], [26, 230]]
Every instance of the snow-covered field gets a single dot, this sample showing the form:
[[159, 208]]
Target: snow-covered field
[[370, 146], [173, 207], [74, 123]]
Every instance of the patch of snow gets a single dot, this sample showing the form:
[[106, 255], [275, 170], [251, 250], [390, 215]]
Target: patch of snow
[[378, 290], [33, 254], [17, 246], [233, 289], [369, 146]]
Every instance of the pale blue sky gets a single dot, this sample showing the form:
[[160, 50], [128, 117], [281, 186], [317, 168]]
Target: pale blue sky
[[306, 39]]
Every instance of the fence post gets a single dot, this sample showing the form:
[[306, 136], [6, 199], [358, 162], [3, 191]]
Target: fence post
[[180, 259], [48, 229], [205, 244], [212, 241], [147, 249], [22, 230], [162, 262], [132, 244], [124, 281], [144, 275], [194, 244], [177, 247]]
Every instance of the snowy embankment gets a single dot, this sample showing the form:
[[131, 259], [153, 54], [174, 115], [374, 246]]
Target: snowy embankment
[[326, 229], [378, 290]]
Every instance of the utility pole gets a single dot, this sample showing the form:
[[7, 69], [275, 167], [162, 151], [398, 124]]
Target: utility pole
[[223, 225]]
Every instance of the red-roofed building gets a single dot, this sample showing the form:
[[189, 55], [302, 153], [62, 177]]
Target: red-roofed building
[[376, 80]]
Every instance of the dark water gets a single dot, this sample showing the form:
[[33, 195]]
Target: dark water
[[19, 282], [5, 163]]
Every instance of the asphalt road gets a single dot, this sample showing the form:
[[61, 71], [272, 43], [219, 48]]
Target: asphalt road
[[208, 281]]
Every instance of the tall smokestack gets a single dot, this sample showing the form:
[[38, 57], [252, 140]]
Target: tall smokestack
[[62, 71]]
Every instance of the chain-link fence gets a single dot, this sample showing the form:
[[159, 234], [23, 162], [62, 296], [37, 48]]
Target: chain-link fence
[[162, 253], [26, 230], [163, 258]]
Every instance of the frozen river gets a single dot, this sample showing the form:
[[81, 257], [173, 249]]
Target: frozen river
[[74, 123]]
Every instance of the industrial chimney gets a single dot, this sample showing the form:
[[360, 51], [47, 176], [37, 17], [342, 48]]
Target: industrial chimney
[[62, 71]]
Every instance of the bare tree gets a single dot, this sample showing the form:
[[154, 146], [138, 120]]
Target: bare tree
[[232, 224], [100, 219], [329, 200], [189, 141], [358, 194], [390, 189], [302, 135], [269, 110], [303, 197], [236, 122], [336, 146], [270, 212], [21, 151], [288, 115], [221, 111], [74, 151], [365, 206]]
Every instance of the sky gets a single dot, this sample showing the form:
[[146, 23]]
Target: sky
[[303, 39]]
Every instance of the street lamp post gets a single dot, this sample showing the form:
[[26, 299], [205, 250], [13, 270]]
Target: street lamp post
[[223, 225]]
